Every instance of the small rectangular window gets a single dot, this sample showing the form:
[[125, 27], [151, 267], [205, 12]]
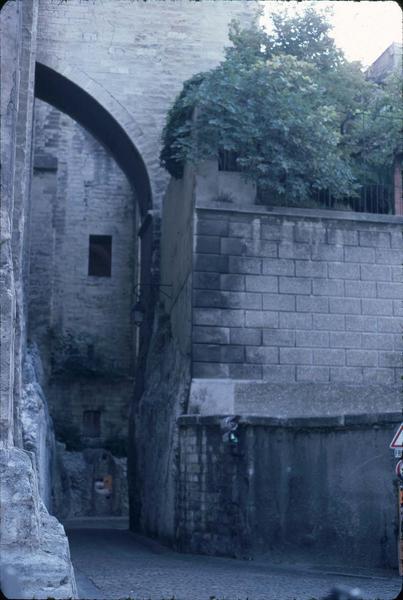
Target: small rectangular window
[[100, 256], [92, 423]]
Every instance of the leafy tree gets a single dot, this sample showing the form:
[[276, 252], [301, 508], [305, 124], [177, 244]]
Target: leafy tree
[[295, 113]]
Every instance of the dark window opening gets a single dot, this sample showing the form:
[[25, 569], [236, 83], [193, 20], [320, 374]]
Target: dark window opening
[[100, 256], [92, 423], [227, 160]]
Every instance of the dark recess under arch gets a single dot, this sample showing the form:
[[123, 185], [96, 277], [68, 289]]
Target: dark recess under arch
[[63, 94]]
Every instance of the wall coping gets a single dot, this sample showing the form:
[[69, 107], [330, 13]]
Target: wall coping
[[339, 421], [313, 213]]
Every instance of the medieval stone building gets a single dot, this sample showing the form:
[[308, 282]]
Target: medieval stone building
[[278, 325]]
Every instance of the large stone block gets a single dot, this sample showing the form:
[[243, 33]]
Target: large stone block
[[238, 371], [345, 305], [304, 268], [234, 246], [246, 336], [362, 358], [311, 339], [360, 289], [247, 265], [261, 283], [279, 373], [325, 252], [279, 302], [261, 355], [330, 322], [292, 320], [377, 307], [211, 227], [279, 266], [232, 282], [278, 337], [294, 285], [359, 254], [296, 356], [211, 335], [389, 290], [313, 374], [373, 239], [294, 250], [206, 281], [208, 244], [360, 323], [343, 270], [259, 318], [211, 262], [328, 287], [213, 316], [330, 357], [345, 339], [375, 272], [312, 304]]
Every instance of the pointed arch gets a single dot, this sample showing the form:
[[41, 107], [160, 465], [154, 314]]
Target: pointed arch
[[68, 97]]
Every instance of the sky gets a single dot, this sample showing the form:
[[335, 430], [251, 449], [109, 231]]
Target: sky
[[363, 30]]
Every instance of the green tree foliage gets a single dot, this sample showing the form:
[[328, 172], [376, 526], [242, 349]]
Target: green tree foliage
[[297, 115]]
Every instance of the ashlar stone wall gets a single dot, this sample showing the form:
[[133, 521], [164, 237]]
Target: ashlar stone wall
[[133, 57], [307, 302], [81, 322]]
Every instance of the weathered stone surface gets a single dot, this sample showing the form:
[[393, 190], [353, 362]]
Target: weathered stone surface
[[153, 443], [34, 551], [89, 483], [320, 485], [37, 426]]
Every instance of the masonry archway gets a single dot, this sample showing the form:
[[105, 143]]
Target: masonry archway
[[70, 99], [65, 95]]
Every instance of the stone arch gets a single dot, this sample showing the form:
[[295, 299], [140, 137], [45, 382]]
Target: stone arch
[[69, 97]]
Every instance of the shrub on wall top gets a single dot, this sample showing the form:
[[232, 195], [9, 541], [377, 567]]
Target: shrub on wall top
[[298, 116]]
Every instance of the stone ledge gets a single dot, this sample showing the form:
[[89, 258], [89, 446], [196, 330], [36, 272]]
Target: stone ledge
[[341, 421], [313, 213]]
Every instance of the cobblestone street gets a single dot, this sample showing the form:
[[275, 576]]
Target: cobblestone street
[[117, 564]]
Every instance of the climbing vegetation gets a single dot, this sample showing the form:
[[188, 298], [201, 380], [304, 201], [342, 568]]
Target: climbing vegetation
[[295, 114]]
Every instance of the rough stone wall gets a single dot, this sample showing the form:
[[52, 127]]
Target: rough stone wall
[[82, 323], [177, 259], [89, 483], [153, 443], [34, 553], [307, 302], [37, 426], [323, 486], [134, 56]]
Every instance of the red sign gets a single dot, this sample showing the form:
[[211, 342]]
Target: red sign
[[397, 441]]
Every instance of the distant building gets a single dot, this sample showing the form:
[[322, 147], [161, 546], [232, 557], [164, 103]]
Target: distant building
[[390, 61]]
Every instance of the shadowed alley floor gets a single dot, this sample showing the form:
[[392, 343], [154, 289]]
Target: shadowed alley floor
[[118, 564]]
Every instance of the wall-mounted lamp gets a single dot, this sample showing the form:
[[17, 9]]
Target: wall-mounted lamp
[[139, 310]]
